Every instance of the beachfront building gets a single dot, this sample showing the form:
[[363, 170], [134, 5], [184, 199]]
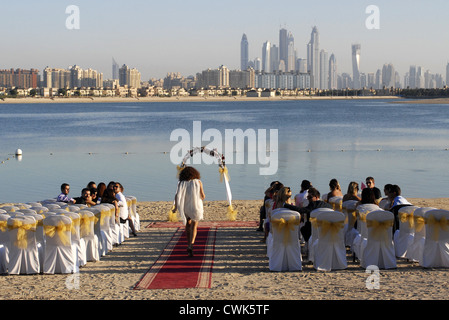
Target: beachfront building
[[242, 78], [129, 77], [19, 78], [282, 80], [73, 77], [217, 78]]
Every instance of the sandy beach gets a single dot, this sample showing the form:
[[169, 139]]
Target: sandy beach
[[180, 99], [240, 270]]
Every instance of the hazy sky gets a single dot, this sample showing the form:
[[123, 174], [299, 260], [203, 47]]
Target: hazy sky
[[157, 37]]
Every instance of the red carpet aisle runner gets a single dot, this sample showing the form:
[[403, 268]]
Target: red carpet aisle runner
[[218, 224], [174, 269]]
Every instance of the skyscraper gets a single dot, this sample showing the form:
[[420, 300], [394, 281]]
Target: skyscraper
[[356, 65], [412, 77], [313, 58], [274, 55], [324, 73], [244, 53], [283, 46], [291, 54], [266, 58], [388, 76], [115, 69], [333, 73], [447, 74]]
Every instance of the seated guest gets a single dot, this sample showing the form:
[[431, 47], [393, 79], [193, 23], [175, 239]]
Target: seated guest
[[314, 203], [397, 202], [100, 191], [91, 185], [94, 195], [85, 198], [370, 184], [353, 192], [301, 197], [64, 195], [335, 189], [121, 202], [262, 211]]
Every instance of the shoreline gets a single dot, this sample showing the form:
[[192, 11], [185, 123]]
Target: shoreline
[[185, 99]]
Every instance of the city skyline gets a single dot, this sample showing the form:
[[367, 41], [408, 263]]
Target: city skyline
[[176, 37]]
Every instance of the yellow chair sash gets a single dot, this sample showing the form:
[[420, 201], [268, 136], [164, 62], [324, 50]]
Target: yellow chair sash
[[379, 229], [232, 213], [3, 225], [223, 171], [59, 230], [173, 215], [313, 222], [419, 223], [86, 225], [330, 227], [75, 223], [285, 226], [104, 214], [21, 241], [407, 217], [442, 224]]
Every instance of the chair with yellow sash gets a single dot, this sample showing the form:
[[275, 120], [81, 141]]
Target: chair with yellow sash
[[403, 237], [59, 257], [134, 214], [436, 245], [116, 228], [329, 248], [359, 242], [40, 209], [104, 226], [336, 203], [349, 210], [40, 237], [78, 248], [416, 248], [379, 249], [286, 250], [51, 206], [23, 252], [311, 243], [88, 236], [384, 204], [4, 243], [99, 225]]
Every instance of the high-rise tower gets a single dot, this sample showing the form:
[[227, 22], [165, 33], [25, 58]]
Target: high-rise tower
[[333, 73], [283, 46], [115, 69], [266, 57], [313, 52], [244, 53], [356, 65]]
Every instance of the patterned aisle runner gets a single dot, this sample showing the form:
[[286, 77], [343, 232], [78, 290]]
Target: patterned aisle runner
[[174, 269]]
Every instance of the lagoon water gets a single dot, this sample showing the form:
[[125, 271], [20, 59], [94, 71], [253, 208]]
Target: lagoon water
[[404, 144]]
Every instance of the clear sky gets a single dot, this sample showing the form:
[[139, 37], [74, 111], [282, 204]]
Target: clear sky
[[157, 37]]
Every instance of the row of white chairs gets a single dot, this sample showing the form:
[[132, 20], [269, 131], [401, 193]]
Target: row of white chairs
[[53, 237], [425, 237]]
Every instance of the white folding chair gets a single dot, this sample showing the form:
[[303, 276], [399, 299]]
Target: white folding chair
[[314, 232], [379, 249], [59, 257], [349, 209], [4, 243], [23, 251], [134, 214], [51, 206], [403, 237], [359, 243], [416, 248], [78, 248], [436, 245], [88, 236], [384, 204], [40, 209], [330, 250], [102, 228], [336, 203], [286, 251]]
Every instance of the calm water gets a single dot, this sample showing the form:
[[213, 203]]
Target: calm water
[[130, 143]]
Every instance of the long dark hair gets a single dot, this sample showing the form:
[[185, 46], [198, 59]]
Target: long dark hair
[[189, 173]]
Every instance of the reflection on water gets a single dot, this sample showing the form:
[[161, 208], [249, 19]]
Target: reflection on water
[[130, 143]]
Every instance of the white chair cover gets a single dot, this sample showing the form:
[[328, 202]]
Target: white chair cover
[[314, 231], [88, 236], [349, 209], [102, 228], [71, 208], [436, 245], [416, 248], [78, 247], [23, 251], [134, 214], [51, 206], [286, 251], [379, 250], [40, 209], [403, 237], [3, 211], [4, 243], [10, 208], [384, 204], [336, 203], [34, 204], [27, 211], [114, 226], [329, 248], [359, 242], [59, 257]]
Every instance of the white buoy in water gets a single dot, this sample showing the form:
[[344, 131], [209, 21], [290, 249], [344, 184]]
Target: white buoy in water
[[18, 152]]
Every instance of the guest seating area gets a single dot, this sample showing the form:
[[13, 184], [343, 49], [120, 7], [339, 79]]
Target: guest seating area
[[366, 233], [51, 237]]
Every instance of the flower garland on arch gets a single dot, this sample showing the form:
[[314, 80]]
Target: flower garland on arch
[[224, 175]]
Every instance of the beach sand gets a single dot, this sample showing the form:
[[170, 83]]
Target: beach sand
[[240, 270]]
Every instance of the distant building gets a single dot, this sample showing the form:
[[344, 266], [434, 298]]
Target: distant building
[[333, 77], [217, 78], [129, 77], [115, 69], [388, 76], [313, 57], [244, 53], [19, 78], [324, 73], [266, 58], [356, 66]]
